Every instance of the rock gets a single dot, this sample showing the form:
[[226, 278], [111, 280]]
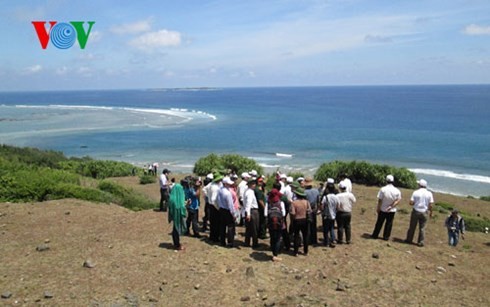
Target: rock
[[451, 264], [441, 270], [250, 272], [409, 252], [197, 286], [42, 248], [6, 294], [88, 264], [340, 286], [453, 256], [433, 281], [272, 304], [245, 298], [335, 262], [321, 275], [418, 267], [298, 277], [206, 263], [375, 255], [229, 270], [67, 213], [153, 300], [48, 294], [47, 241]]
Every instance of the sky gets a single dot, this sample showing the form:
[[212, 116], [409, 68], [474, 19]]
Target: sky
[[253, 43]]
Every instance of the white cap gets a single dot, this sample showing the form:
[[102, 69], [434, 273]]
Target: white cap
[[210, 176], [390, 178], [283, 176], [289, 179], [300, 179], [342, 185], [253, 173], [227, 180], [330, 180], [422, 183], [245, 175]]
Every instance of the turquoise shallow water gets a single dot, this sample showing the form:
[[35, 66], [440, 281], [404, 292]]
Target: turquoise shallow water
[[440, 132]]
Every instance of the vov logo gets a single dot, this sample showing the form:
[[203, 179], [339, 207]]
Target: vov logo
[[63, 34]]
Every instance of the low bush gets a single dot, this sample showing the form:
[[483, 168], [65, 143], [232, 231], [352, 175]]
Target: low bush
[[485, 198], [125, 197], [214, 163], [362, 172], [147, 179]]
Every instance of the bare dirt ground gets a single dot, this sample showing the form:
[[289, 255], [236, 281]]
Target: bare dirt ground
[[134, 264]]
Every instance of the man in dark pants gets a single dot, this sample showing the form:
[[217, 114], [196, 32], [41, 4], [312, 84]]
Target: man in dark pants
[[251, 215], [227, 212], [211, 192], [164, 190], [388, 199], [260, 196], [312, 195]]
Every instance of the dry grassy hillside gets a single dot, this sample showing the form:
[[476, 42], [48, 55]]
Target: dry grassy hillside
[[132, 263]]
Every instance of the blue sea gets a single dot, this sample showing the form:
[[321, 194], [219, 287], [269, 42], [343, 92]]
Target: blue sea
[[442, 133]]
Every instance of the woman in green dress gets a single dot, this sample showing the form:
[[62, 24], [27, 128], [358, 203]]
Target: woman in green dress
[[177, 213]]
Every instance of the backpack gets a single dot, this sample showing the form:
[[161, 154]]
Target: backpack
[[274, 216]]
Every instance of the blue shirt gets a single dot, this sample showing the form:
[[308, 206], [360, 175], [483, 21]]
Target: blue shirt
[[191, 194]]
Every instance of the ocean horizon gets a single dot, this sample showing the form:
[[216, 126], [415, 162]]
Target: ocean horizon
[[441, 133]]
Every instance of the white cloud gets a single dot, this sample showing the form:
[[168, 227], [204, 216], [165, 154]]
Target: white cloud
[[62, 71], [154, 40], [377, 39], [476, 30], [32, 69], [132, 28], [95, 36]]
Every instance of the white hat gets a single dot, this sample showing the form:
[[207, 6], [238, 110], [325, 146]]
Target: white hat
[[227, 180], [422, 183], [234, 176], [390, 178], [253, 173], [289, 179], [245, 175], [210, 176], [330, 180], [300, 179], [283, 176], [342, 185]]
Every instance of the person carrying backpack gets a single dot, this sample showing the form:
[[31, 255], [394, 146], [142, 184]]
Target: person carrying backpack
[[455, 225], [275, 212]]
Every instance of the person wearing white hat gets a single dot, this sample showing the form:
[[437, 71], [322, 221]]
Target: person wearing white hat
[[227, 213], [388, 198], [344, 214], [242, 187], [421, 201]]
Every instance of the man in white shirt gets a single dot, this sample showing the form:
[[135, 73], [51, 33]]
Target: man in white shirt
[[251, 207], [211, 192], [344, 214], [346, 182], [388, 198], [227, 213], [421, 201], [242, 187], [164, 190]]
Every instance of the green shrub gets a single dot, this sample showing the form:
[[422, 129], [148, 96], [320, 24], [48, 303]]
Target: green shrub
[[476, 224], [126, 197], [147, 179], [32, 156], [486, 198], [98, 169], [215, 163], [362, 172]]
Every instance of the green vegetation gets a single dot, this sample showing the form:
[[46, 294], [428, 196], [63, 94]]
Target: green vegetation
[[485, 198], [215, 163], [147, 179], [29, 174], [362, 172]]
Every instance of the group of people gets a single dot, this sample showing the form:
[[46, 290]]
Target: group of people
[[229, 204]]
